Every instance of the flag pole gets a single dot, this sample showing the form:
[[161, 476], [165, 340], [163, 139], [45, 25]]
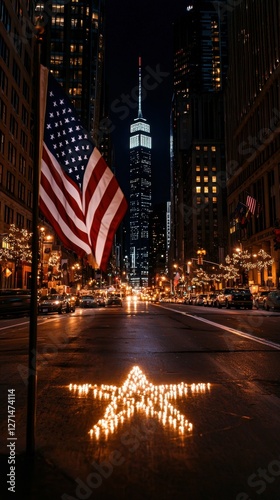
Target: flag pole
[[32, 351]]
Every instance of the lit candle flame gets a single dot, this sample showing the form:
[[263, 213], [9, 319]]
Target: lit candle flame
[[137, 394]]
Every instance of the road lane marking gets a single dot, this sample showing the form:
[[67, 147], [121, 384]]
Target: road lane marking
[[227, 328], [14, 326], [48, 320]]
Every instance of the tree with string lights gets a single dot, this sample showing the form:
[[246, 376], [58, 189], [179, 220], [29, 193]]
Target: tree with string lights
[[16, 248], [235, 266], [241, 262]]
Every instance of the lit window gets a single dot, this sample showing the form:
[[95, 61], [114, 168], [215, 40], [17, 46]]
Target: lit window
[[214, 189], [213, 148], [214, 199], [205, 178], [140, 126], [76, 23], [197, 168], [56, 59], [58, 21], [206, 189], [134, 141], [145, 141], [214, 178], [197, 148], [56, 8], [198, 189], [198, 201], [205, 148], [197, 178]]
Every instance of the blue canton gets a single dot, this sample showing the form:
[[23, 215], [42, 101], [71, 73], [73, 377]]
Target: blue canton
[[64, 135]]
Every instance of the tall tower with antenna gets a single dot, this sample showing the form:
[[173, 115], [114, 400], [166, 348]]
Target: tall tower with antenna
[[140, 201]]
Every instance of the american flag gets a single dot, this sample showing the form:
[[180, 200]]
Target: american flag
[[79, 194], [251, 203], [176, 279]]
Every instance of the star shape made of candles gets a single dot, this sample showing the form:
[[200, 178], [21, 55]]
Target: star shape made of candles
[[138, 394]]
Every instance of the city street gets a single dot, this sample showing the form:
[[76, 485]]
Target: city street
[[192, 397]]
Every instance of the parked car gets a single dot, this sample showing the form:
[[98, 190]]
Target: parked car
[[272, 301], [260, 298], [114, 300], [190, 298], [235, 297], [200, 299], [52, 303], [14, 304], [211, 300], [87, 301]]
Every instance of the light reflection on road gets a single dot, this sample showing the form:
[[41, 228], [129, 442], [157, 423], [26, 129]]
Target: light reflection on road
[[131, 303], [137, 394]]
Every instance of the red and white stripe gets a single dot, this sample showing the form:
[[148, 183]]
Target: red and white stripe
[[251, 203], [86, 220]]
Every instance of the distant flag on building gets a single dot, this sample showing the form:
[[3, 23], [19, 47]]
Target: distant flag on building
[[176, 279], [251, 203], [240, 214], [79, 194]]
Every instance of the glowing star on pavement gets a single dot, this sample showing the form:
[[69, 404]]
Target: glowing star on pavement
[[138, 394]]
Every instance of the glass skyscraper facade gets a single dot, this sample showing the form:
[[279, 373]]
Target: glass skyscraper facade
[[140, 201]]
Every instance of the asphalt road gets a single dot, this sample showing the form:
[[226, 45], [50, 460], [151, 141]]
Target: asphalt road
[[183, 404]]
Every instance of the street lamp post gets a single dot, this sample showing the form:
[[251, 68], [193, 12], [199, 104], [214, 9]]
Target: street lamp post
[[45, 241], [41, 240]]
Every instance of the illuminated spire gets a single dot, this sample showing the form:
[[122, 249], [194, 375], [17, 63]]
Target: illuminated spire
[[140, 90]]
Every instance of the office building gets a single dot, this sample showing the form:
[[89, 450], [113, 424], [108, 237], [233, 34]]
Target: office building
[[198, 195], [140, 149], [74, 52], [16, 131], [158, 243], [253, 130]]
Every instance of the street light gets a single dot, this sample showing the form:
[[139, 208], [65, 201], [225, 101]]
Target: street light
[[239, 249]]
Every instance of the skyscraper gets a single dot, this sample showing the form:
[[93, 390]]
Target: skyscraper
[[16, 129], [140, 147], [253, 131], [197, 134], [158, 245], [74, 52]]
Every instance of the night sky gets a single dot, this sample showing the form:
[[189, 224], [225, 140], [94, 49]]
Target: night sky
[[141, 28]]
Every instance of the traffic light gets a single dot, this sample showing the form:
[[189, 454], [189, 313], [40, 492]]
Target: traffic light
[[276, 240]]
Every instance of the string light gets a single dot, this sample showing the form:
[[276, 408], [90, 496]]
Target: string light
[[17, 245], [137, 394], [241, 259], [244, 260]]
